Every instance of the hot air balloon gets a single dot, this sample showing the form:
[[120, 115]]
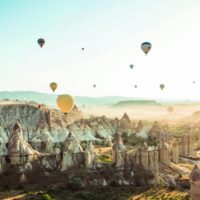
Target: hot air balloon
[[194, 82], [94, 86], [82, 49], [53, 86], [65, 102], [131, 66], [162, 86], [170, 109], [41, 42], [146, 47], [135, 86]]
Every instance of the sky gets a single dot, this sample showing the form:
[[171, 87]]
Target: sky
[[111, 31]]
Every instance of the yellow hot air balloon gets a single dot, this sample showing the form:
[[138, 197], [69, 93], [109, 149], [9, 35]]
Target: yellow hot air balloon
[[53, 86], [65, 102], [170, 109]]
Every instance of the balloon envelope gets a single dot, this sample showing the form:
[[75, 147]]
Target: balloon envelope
[[53, 86], [65, 102], [131, 66], [146, 47], [41, 42], [162, 86]]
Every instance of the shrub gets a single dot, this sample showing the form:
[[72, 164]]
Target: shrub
[[75, 184], [105, 158], [46, 197]]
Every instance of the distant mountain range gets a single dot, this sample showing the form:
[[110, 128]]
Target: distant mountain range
[[135, 103], [50, 99]]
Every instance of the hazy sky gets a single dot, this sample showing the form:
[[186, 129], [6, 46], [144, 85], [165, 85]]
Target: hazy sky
[[111, 31]]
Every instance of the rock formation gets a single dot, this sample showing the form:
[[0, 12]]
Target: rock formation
[[188, 146], [108, 141], [195, 183], [125, 123], [184, 146], [154, 162], [90, 155], [19, 150], [191, 146], [144, 156], [164, 151], [118, 151], [139, 126], [36, 120], [72, 152], [175, 152], [155, 130]]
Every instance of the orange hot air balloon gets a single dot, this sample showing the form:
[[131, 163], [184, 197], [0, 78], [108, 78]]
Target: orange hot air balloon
[[65, 102], [170, 109], [162, 86], [53, 86], [41, 42]]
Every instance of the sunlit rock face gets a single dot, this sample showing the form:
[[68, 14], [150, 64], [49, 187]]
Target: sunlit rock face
[[18, 149], [99, 129], [82, 131], [195, 183], [73, 155], [39, 123]]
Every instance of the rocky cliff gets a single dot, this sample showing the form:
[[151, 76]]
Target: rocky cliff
[[39, 123]]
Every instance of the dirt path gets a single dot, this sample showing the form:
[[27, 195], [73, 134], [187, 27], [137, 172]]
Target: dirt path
[[12, 196]]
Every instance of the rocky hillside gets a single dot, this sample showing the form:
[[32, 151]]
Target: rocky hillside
[[38, 121], [44, 126]]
